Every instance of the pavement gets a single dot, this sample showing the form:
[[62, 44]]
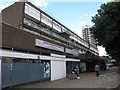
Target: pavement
[[87, 80]]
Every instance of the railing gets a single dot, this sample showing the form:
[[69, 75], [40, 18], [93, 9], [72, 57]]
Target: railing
[[46, 31], [36, 33], [30, 23], [55, 35]]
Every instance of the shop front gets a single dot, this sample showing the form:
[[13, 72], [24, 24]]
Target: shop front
[[82, 67], [47, 71], [90, 64], [20, 68], [71, 65], [16, 71]]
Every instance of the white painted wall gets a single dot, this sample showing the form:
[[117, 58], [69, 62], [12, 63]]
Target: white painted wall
[[53, 57], [56, 55], [58, 70]]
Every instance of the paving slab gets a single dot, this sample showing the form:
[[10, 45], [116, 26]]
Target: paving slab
[[87, 80]]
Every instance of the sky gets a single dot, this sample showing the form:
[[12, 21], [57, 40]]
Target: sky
[[74, 14]]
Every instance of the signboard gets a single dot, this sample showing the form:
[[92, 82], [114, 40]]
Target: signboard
[[45, 44], [72, 51], [0, 74], [75, 52]]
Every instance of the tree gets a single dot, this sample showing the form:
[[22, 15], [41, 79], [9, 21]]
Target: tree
[[105, 57], [106, 28]]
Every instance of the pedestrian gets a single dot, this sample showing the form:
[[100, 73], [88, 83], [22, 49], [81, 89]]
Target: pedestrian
[[75, 71], [97, 69], [107, 67]]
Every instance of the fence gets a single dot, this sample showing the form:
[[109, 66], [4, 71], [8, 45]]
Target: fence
[[21, 73]]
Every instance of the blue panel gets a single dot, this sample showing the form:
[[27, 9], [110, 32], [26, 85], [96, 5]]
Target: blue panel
[[6, 74], [42, 71], [34, 72], [19, 73], [22, 73]]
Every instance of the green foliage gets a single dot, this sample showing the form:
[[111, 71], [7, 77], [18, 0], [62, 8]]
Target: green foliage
[[106, 29], [106, 57]]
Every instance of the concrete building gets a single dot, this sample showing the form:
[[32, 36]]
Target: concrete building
[[88, 37], [36, 47]]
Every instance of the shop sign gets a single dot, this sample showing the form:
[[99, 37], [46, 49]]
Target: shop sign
[[45, 44], [75, 52], [72, 51]]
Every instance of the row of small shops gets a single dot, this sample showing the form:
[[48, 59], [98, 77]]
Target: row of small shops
[[22, 68], [36, 48], [25, 62], [38, 68]]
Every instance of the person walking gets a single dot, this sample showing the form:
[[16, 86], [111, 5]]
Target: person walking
[[97, 69], [107, 67]]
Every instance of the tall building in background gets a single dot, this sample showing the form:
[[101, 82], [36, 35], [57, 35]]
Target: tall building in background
[[87, 36]]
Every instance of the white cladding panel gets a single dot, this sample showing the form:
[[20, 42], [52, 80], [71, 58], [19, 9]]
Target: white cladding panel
[[56, 55], [58, 70], [6, 53], [46, 20], [56, 26], [32, 11]]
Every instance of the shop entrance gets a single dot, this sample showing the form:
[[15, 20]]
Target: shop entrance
[[70, 65], [83, 67], [46, 70]]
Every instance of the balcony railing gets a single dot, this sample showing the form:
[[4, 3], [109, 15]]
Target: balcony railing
[[33, 24], [55, 35], [46, 31], [30, 23]]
